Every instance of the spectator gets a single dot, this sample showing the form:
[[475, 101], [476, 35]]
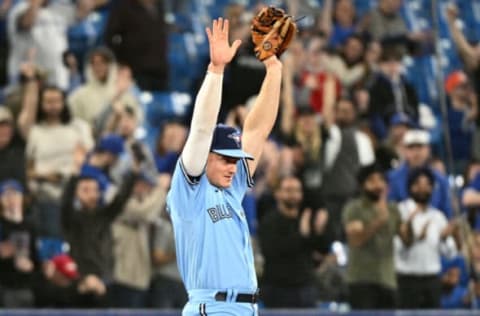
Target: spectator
[[170, 141], [166, 289], [390, 153], [101, 88], [454, 283], [338, 24], [470, 199], [370, 225], [418, 264], [129, 33], [288, 240], [352, 150], [132, 268], [349, 65], [39, 28], [18, 264], [53, 141], [390, 93], [61, 286], [469, 53], [462, 115], [318, 86], [12, 149], [87, 219], [417, 154]]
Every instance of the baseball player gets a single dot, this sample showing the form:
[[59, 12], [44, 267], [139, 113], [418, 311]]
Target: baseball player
[[214, 252]]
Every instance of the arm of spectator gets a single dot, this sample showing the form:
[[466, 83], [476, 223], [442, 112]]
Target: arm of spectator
[[66, 203], [161, 257], [30, 101], [359, 233], [466, 50], [287, 120], [406, 230], [471, 198], [118, 204], [145, 210], [365, 150], [329, 100], [27, 19], [326, 22]]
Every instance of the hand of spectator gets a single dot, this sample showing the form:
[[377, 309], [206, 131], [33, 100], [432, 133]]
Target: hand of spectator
[[424, 231], [23, 264], [48, 268], [221, 53], [311, 82], [450, 230], [7, 250], [452, 12], [124, 80], [79, 157], [92, 284], [321, 219], [28, 70], [305, 220]]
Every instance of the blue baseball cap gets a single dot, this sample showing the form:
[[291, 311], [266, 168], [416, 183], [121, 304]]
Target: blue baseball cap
[[227, 142], [10, 185], [401, 119], [111, 143]]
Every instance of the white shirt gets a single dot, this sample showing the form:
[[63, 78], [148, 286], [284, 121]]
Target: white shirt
[[423, 256], [52, 147], [47, 36]]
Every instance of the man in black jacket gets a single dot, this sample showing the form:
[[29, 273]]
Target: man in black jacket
[[86, 221], [288, 239]]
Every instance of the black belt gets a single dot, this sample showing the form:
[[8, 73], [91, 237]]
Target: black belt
[[241, 297]]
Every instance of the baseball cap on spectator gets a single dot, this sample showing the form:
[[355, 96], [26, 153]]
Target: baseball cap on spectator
[[454, 80], [401, 119], [11, 184], [416, 173], [227, 142], [111, 143], [66, 266], [5, 115], [416, 137]]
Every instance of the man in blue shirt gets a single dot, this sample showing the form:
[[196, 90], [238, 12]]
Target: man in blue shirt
[[417, 153], [214, 252]]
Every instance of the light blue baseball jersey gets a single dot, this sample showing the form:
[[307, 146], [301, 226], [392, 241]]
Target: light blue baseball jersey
[[212, 239]]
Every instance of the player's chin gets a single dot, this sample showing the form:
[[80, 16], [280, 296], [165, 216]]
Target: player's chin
[[226, 183]]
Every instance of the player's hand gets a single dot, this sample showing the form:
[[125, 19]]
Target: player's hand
[[221, 53]]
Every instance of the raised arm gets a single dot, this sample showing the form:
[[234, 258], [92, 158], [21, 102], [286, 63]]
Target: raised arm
[[27, 116], [207, 103], [261, 118], [466, 50]]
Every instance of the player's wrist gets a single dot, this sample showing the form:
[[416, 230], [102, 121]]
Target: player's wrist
[[218, 69], [272, 62]]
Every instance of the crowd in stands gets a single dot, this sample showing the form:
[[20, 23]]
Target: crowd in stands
[[367, 193]]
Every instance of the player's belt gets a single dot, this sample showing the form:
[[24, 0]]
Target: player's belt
[[240, 298]]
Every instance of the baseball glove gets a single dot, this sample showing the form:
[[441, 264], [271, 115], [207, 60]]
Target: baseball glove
[[272, 31]]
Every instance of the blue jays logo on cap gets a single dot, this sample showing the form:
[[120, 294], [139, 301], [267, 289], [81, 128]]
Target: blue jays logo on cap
[[227, 142]]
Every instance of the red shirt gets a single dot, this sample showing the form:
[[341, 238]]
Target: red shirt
[[316, 95]]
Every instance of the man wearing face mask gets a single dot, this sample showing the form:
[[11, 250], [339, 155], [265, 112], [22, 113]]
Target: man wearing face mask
[[418, 263], [370, 224]]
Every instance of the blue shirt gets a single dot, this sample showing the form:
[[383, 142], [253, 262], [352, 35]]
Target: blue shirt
[[398, 191], [212, 239]]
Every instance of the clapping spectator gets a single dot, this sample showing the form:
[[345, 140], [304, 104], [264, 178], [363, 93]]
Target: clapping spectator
[[418, 263], [371, 223], [417, 154], [288, 238]]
